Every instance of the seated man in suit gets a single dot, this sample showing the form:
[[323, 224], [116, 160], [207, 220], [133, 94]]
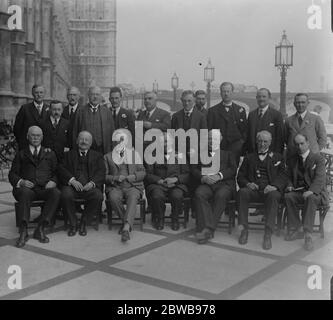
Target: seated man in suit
[[124, 179], [33, 177], [259, 180], [82, 174], [167, 180], [56, 129], [216, 187], [306, 185]]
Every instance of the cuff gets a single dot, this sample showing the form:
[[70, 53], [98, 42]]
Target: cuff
[[221, 175], [93, 183], [71, 180], [18, 183]]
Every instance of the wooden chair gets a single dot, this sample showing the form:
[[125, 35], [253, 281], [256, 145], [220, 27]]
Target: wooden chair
[[230, 212]]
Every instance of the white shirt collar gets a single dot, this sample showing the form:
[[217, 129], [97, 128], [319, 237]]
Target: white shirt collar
[[189, 111], [36, 104], [73, 107], [93, 107], [54, 119], [302, 114], [117, 110], [264, 109], [305, 155], [227, 104], [151, 112], [32, 148]]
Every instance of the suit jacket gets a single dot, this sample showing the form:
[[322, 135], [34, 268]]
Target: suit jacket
[[26, 117], [227, 166], [160, 119], [125, 119], [314, 176], [107, 125], [157, 172], [96, 167], [198, 120], [312, 127], [275, 169], [56, 139], [218, 118], [71, 119], [112, 171], [204, 111], [39, 172], [272, 121]]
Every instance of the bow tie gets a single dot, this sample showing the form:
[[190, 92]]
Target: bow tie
[[262, 153]]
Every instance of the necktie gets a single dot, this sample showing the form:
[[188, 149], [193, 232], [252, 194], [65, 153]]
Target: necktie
[[71, 113], [114, 115], [147, 114], [35, 154], [300, 120], [261, 113], [39, 108], [55, 123], [83, 154], [94, 110], [122, 152]]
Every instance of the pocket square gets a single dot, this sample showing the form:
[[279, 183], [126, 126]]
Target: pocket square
[[314, 167], [278, 163], [271, 124], [157, 120]]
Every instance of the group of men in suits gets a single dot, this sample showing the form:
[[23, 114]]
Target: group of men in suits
[[79, 136]]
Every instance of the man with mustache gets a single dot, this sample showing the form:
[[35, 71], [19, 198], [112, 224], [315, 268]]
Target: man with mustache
[[82, 174]]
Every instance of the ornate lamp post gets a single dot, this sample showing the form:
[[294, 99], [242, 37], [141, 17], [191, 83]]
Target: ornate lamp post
[[155, 87], [209, 74], [174, 86], [283, 60]]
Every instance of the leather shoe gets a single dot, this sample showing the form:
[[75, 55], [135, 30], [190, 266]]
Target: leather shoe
[[125, 236], [204, 236], [175, 225], [294, 235], [308, 245], [82, 229], [267, 243], [243, 237], [24, 237], [72, 231], [40, 235]]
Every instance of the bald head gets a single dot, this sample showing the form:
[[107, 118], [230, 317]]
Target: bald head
[[73, 95], [150, 100], [35, 136], [84, 140], [95, 95]]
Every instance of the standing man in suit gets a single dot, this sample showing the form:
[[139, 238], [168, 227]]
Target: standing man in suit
[[189, 117], [124, 180], [82, 174], [307, 186], [33, 177], [167, 180], [97, 120], [215, 188], [56, 130], [200, 101], [305, 123], [259, 181], [30, 114], [230, 119], [70, 112], [122, 117], [154, 117], [265, 118]]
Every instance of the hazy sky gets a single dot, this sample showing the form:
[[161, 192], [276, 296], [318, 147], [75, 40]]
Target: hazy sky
[[156, 38]]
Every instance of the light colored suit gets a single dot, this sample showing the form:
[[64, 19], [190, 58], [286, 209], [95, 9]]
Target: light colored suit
[[312, 127]]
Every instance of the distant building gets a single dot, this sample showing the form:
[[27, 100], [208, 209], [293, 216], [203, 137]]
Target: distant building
[[251, 89], [62, 43]]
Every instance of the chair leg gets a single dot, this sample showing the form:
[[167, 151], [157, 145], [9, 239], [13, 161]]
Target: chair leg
[[16, 215], [142, 214]]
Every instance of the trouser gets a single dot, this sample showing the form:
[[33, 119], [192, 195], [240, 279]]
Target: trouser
[[92, 207], [24, 196], [210, 202], [131, 195], [271, 205], [309, 210], [159, 195], [236, 148]]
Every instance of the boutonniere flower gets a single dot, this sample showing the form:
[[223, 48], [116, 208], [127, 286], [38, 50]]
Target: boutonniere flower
[[124, 115], [242, 110], [271, 154], [157, 120], [307, 121], [276, 164]]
